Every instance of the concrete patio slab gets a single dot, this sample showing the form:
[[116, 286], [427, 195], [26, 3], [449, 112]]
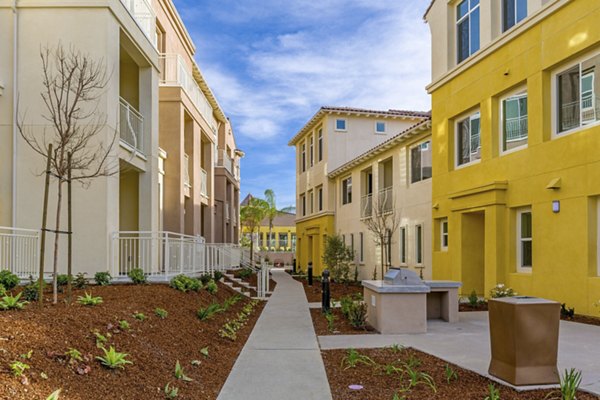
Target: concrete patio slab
[[467, 344]]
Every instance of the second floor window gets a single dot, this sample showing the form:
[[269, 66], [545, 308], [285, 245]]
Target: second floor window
[[340, 125], [311, 152], [303, 201], [420, 162], [468, 146], [403, 240], [320, 198], [514, 121], [347, 190], [467, 29], [303, 157], [312, 202], [320, 145], [513, 11], [379, 127]]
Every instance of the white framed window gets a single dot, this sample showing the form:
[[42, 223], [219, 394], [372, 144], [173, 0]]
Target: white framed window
[[303, 203], [340, 125], [320, 145], [513, 11], [468, 139], [444, 234], [311, 200], [419, 244], [403, 247], [524, 240], [575, 95], [320, 198], [352, 244], [361, 252], [347, 190], [344, 239], [420, 162], [311, 151], [380, 127], [514, 124], [303, 157], [467, 29]]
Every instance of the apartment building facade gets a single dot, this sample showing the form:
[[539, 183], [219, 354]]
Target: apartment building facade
[[515, 146], [332, 137]]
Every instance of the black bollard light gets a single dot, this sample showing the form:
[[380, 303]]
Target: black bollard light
[[310, 272], [326, 295], [294, 266]]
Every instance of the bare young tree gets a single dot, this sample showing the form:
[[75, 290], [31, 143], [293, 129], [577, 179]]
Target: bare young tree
[[383, 223], [73, 83]]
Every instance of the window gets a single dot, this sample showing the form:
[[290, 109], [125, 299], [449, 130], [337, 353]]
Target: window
[[444, 234], [361, 253], [577, 98], [312, 201], [311, 152], [403, 245], [344, 239], [283, 241], [420, 162], [352, 244], [303, 202], [467, 28], [513, 11], [303, 157], [379, 127], [347, 190], [514, 121], [419, 244], [524, 240], [340, 125], [271, 240], [467, 139], [293, 235], [320, 198], [320, 146]]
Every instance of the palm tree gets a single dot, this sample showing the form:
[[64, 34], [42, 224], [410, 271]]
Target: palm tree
[[272, 211], [251, 215]]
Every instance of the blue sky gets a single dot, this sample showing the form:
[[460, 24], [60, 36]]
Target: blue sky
[[273, 63]]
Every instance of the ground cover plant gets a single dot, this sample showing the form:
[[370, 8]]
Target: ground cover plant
[[67, 361], [404, 373]]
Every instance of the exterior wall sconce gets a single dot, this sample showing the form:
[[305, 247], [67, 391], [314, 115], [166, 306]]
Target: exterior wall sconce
[[556, 206]]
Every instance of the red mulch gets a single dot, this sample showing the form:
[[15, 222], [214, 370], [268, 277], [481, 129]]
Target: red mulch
[[154, 345], [465, 307], [338, 290], [341, 324], [379, 385]]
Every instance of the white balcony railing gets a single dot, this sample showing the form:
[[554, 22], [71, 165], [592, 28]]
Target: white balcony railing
[[225, 161], [386, 200], [203, 183], [187, 183], [19, 251], [227, 211], [516, 129], [131, 126], [144, 16], [175, 72], [366, 206]]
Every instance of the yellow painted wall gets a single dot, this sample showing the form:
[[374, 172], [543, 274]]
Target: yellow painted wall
[[312, 233], [564, 244]]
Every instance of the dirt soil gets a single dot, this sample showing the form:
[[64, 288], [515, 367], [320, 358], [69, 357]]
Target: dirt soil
[[154, 345], [341, 324], [313, 293], [465, 307], [378, 385]]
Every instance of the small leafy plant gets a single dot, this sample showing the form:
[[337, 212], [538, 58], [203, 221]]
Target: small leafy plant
[[139, 316], [566, 312], [353, 358], [18, 368], [161, 313], [493, 393], [30, 291], [74, 355], [396, 348], [62, 281], [102, 278], [8, 279], [450, 373], [245, 273], [100, 339], [137, 276], [330, 317], [184, 283], [124, 325], [357, 315], [80, 281], [89, 300], [569, 384], [502, 291], [211, 287], [473, 299], [10, 302], [113, 359], [204, 351], [180, 374], [171, 392], [54, 395], [208, 312], [205, 278], [217, 275]]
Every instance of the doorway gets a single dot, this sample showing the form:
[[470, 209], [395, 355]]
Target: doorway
[[473, 252]]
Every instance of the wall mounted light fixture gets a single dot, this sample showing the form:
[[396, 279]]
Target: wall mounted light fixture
[[556, 206]]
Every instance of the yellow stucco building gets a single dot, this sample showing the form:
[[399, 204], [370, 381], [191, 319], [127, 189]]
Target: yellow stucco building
[[516, 146]]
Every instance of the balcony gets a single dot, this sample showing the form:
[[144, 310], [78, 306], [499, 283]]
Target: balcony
[[386, 201], [366, 206], [516, 129], [131, 126], [144, 16], [174, 72], [203, 183], [187, 186]]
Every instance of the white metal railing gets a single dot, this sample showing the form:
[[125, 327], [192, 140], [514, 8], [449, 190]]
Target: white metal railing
[[186, 171], [262, 281], [19, 251], [143, 14], [203, 183], [226, 161], [366, 206], [165, 254], [386, 200], [131, 125], [175, 72], [516, 128]]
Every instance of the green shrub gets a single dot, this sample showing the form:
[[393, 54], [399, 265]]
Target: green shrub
[[124, 325], [8, 280], [139, 316], [337, 257], [30, 291], [80, 281], [171, 392], [113, 359], [18, 368], [208, 312], [566, 312], [102, 278], [89, 300], [245, 273], [2, 290], [217, 275], [357, 315], [161, 313], [9, 302], [180, 373], [62, 281], [330, 317], [137, 276], [205, 278], [501, 291], [184, 283], [211, 287], [473, 299]]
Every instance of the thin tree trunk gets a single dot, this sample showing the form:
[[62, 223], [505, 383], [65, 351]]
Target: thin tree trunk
[[43, 238], [56, 240]]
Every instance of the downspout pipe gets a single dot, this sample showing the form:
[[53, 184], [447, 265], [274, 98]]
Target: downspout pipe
[[15, 116]]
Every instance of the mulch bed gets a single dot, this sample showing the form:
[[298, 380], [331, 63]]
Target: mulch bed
[[341, 324], [313, 293], [154, 345], [379, 385], [465, 307]]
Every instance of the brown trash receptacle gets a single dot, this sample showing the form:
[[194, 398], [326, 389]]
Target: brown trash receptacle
[[524, 340]]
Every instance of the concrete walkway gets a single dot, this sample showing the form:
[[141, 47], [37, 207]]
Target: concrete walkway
[[281, 359], [467, 345]]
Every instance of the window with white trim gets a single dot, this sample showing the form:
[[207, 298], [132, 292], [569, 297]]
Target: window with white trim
[[524, 240], [419, 244], [361, 254], [320, 198], [303, 157], [303, 203], [380, 127], [352, 245], [347, 190], [311, 151], [513, 11], [468, 143], [578, 95], [340, 125], [467, 29], [311, 197], [514, 121], [320, 145], [444, 234], [420, 162], [403, 241]]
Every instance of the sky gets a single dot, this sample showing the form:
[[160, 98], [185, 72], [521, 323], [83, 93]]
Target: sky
[[273, 63]]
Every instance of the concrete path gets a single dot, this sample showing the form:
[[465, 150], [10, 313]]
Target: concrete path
[[281, 359], [467, 345]]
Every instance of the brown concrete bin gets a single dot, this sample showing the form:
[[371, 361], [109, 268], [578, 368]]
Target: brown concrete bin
[[524, 340]]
